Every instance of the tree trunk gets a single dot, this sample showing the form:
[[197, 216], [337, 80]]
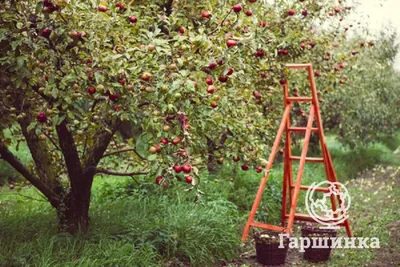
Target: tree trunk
[[73, 212], [211, 157]]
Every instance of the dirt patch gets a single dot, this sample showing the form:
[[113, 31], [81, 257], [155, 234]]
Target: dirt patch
[[379, 182]]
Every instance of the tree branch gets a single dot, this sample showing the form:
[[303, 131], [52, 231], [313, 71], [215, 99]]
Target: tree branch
[[70, 152], [123, 151], [95, 153], [117, 173], [168, 7], [23, 170]]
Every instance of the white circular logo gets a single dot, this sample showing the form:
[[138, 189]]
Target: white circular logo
[[319, 208]]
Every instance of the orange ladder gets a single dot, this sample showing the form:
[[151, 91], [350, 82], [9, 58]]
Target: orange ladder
[[288, 184]]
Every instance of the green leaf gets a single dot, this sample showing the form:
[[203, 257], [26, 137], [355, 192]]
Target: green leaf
[[20, 62]]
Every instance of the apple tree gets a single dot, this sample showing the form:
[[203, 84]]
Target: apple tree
[[198, 83]]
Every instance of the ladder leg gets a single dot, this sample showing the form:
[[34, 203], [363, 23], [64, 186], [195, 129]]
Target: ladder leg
[[260, 190], [301, 168], [285, 185], [334, 179], [287, 174]]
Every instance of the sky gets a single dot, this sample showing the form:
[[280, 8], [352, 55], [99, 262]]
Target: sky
[[377, 14]]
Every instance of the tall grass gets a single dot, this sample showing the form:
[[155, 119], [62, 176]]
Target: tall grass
[[126, 232]]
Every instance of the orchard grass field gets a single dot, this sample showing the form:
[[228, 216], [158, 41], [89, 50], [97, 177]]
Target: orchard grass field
[[146, 225]]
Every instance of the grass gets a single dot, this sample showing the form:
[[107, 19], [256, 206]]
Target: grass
[[8, 173], [128, 232], [145, 225]]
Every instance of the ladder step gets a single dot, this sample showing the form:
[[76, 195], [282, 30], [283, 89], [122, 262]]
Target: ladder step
[[269, 227], [308, 218], [299, 99], [308, 159], [298, 66], [301, 129], [318, 189]]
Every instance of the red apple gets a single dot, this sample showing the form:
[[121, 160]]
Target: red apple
[[220, 161], [230, 71], [302, 46], [236, 159], [186, 168], [249, 13], [205, 14], [317, 74], [159, 179], [145, 76], [257, 94], [245, 167], [371, 43], [102, 8], [231, 43], [154, 149], [260, 53], [281, 151], [164, 141], [120, 5], [177, 168], [211, 89], [312, 44], [214, 105], [181, 30], [132, 19], [41, 117], [362, 44], [304, 12], [212, 65], [209, 81], [189, 179], [291, 12], [91, 90], [282, 81], [45, 33], [47, 76], [176, 140], [223, 78], [117, 108], [237, 8], [113, 97]]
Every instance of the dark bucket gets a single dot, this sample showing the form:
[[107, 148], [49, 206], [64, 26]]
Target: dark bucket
[[267, 248], [317, 254]]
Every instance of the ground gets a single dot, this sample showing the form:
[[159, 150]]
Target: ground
[[375, 211]]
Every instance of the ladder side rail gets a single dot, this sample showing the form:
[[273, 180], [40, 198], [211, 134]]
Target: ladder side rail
[[268, 168]]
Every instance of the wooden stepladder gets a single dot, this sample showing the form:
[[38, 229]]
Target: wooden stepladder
[[290, 187]]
